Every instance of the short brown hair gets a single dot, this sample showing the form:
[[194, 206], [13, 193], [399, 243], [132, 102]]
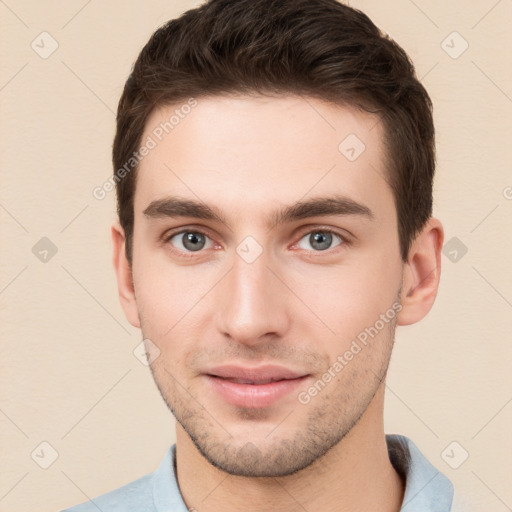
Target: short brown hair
[[314, 48]]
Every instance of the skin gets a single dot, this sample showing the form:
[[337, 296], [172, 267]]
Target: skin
[[295, 305]]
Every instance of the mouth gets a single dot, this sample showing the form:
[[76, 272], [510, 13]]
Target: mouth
[[253, 387], [248, 381]]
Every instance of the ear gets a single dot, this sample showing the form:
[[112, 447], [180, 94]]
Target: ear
[[123, 272], [421, 273]]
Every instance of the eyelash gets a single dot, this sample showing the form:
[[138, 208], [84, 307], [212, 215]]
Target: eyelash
[[191, 254]]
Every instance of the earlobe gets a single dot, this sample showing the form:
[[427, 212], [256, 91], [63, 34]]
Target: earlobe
[[422, 272], [123, 271]]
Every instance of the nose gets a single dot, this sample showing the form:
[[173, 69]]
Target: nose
[[253, 304]]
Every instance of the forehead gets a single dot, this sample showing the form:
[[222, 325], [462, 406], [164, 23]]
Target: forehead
[[256, 152]]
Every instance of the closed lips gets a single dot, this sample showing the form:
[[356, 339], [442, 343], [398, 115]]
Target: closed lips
[[255, 387], [258, 375], [249, 381]]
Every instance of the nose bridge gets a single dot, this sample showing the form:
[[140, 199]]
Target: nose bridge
[[253, 304]]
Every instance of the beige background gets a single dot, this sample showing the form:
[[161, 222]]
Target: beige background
[[68, 373]]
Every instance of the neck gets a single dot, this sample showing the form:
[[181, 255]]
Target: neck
[[355, 475]]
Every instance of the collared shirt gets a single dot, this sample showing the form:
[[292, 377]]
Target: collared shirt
[[426, 488]]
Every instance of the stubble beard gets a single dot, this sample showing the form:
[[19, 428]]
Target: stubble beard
[[332, 415]]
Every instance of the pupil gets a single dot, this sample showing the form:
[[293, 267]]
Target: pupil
[[190, 241], [317, 240]]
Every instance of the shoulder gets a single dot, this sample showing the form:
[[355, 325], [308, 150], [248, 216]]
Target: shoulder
[[136, 495], [426, 488], [462, 503], [145, 494]]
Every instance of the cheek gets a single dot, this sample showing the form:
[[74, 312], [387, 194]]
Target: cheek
[[166, 292], [171, 303], [351, 296]]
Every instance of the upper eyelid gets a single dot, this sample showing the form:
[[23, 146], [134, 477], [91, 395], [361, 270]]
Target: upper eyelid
[[308, 229]]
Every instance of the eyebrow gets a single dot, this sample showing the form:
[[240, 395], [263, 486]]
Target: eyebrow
[[173, 206]]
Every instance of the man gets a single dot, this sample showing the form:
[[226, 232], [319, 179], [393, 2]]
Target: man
[[274, 162]]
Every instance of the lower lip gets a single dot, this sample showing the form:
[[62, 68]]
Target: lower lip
[[253, 395]]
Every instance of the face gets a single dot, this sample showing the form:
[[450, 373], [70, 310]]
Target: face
[[265, 251]]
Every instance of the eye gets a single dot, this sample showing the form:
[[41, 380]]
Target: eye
[[193, 241], [190, 241], [320, 240]]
